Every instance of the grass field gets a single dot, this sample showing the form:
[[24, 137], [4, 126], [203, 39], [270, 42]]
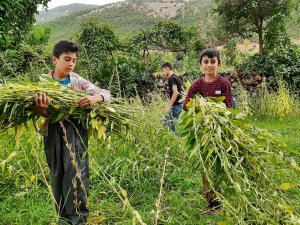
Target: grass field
[[134, 161]]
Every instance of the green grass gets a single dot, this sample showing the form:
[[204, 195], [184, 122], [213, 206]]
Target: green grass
[[135, 161], [287, 129], [27, 207]]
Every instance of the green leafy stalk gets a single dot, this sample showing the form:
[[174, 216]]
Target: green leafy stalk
[[243, 165], [16, 108]]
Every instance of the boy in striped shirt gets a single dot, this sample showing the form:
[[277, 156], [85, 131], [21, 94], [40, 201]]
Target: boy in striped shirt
[[210, 85], [70, 183]]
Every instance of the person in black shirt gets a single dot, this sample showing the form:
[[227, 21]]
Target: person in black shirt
[[175, 88]]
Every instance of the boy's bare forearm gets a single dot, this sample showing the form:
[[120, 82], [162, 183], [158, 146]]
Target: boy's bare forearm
[[173, 99]]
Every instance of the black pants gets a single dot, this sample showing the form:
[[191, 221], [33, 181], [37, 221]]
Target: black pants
[[69, 167]]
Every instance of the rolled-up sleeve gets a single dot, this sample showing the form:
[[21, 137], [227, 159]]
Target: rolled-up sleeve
[[92, 89]]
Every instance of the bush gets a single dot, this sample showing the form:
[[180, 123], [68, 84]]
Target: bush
[[243, 100], [30, 59], [277, 104], [129, 76], [282, 64]]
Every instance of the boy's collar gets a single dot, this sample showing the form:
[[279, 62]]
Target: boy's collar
[[72, 75], [51, 73], [213, 80]]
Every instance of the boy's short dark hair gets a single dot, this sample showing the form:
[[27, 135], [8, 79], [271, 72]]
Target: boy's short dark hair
[[64, 47], [210, 53], [167, 65]]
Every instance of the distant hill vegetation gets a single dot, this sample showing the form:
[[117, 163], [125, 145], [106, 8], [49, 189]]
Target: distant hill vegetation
[[131, 16], [66, 10]]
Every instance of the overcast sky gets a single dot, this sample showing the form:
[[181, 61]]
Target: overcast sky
[[54, 3]]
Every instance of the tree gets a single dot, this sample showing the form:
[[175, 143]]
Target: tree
[[243, 18], [114, 64], [170, 36], [16, 19], [98, 39], [97, 42], [167, 36]]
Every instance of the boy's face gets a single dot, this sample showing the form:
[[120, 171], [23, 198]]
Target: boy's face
[[209, 65], [166, 71], [65, 63]]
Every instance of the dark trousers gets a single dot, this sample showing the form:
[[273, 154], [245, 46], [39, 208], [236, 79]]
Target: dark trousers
[[69, 167]]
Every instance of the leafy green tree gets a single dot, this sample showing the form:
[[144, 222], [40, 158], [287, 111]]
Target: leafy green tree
[[16, 19], [171, 36], [166, 36], [98, 42], [116, 65], [98, 39], [141, 45], [243, 18]]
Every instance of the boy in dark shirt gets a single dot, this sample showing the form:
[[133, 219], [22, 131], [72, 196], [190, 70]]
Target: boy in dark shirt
[[175, 89], [210, 85]]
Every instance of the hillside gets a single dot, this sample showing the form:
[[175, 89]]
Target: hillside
[[128, 16], [66, 10], [133, 15]]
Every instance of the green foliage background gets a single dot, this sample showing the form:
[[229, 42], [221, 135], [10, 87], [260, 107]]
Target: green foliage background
[[122, 49]]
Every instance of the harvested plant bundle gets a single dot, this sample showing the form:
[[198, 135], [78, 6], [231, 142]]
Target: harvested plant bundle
[[16, 107], [244, 165]]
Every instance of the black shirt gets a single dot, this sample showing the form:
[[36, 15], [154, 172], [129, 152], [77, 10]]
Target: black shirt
[[174, 80]]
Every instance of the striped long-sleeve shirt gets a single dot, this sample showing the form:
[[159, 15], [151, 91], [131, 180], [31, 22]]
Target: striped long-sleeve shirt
[[219, 87], [79, 82]]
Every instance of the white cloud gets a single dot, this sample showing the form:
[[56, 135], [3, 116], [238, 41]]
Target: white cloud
[[55, 3]]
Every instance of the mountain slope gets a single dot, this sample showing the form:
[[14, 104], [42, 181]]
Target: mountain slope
[[131, 16], [66, 10]]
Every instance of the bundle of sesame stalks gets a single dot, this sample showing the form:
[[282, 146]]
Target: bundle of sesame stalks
[[16, 107], [249, 170]]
